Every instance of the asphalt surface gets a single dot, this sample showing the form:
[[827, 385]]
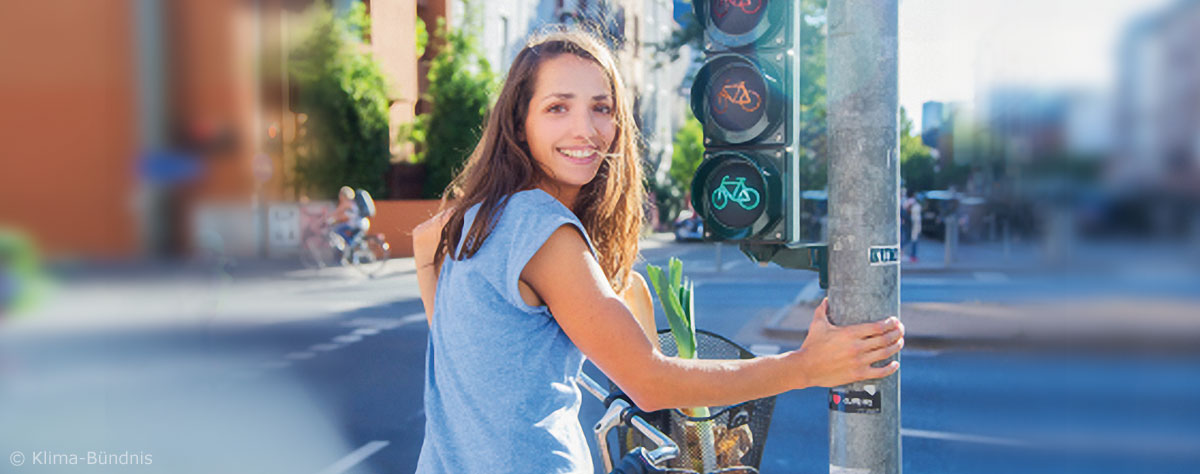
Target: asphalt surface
[[291, 371]]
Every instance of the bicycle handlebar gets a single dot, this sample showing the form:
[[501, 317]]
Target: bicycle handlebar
[[619, 410]]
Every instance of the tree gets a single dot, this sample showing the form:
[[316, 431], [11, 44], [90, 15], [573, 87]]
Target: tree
[[688, 151], [461, 83], [916, 159], [343, 92]]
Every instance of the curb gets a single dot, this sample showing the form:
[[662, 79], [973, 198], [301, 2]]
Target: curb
[[1162, 343]]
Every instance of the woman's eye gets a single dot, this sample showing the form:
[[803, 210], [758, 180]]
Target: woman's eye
[[604, 109], [556, 108]]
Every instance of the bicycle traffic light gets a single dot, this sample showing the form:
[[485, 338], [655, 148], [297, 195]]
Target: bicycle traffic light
[[747, 189]]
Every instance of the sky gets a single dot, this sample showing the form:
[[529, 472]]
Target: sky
[[952, 49]]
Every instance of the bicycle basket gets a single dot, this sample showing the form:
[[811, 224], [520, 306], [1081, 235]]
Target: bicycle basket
[[738, 432]]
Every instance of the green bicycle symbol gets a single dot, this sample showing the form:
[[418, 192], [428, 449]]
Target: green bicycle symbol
[[735, 190]]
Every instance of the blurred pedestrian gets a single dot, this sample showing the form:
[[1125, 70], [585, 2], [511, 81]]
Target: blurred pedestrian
[[531, 270], [910, 225]]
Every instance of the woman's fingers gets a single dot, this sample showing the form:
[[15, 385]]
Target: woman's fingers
[[881, 372], [885, 339], [873, 329], [883, 352]]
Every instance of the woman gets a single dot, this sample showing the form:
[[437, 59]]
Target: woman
[[531, 271]]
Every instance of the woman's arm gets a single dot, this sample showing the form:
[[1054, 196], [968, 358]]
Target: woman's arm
[[425, 241], [637, 297], [568, 278]]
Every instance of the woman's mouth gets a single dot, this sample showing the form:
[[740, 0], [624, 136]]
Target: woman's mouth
[[580, 156]]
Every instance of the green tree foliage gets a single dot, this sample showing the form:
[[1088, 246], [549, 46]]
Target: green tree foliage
[[461, 83], [344, 94], [671, 196], [916, 159], [814, 144]]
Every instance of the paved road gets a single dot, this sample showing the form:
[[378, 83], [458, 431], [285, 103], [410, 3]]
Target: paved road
[[305, 373]]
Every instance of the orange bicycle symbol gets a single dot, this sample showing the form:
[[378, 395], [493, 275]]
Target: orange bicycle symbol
[[725, 5], [737, 93]]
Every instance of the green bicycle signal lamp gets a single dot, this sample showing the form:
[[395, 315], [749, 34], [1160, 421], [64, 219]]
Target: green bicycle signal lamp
[[739, 196]]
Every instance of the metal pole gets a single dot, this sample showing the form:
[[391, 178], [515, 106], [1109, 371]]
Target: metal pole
[[717, 262], [950, 237], [864, 178], [153, 112]]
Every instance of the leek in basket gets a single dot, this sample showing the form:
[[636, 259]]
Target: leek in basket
[[676, 298]]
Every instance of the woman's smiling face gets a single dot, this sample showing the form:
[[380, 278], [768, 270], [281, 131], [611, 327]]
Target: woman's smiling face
[[570, 123]]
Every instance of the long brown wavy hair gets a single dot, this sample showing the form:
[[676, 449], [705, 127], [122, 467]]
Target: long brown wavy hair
[[610, 206]]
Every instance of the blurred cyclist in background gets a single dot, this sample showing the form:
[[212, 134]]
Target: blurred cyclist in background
[[347, 217]]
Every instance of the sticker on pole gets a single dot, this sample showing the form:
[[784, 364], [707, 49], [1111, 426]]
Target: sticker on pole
[[845, 400], [884, 255]]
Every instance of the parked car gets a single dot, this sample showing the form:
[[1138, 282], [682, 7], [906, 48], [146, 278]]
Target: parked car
[[689, 227], [937, 206]]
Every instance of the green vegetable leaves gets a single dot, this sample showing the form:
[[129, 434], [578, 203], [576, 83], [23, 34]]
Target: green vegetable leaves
[[676, 298]]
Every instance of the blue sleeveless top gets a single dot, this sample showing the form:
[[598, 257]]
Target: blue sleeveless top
[[500, 393]]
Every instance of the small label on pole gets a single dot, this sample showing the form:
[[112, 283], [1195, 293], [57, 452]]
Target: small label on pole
[[854, 401], [883, 255]]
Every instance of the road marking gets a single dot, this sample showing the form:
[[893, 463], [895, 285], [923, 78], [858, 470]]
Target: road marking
[[991, 277], [966, 438], [347, 338], [385, 323], [764, 349], [1109, 443], [324, 347], [366, 331], [352, 459], [300, 355]]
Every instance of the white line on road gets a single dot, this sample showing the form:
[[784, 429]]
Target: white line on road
[[991, 277], [300, 355], [947, 436], [764, 349], [366, 331], [352, 459], [347, 338], [1137, 444]]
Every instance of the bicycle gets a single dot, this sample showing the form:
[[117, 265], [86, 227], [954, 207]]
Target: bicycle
[[740, 96], [726, 5], [741, 194], [368, 253], [652, 441]]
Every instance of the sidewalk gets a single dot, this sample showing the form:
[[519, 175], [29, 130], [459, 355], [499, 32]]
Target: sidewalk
[[1117, 324], [985, 256], [1104, 322]]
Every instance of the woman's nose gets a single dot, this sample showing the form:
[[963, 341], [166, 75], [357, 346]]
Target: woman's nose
[[585, 125]]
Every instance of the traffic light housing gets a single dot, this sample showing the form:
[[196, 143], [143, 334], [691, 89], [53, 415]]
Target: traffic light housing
[[747, 187]]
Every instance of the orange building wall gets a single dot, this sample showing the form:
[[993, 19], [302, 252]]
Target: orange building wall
[[211, 81], [68, 133], [396, 220]]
